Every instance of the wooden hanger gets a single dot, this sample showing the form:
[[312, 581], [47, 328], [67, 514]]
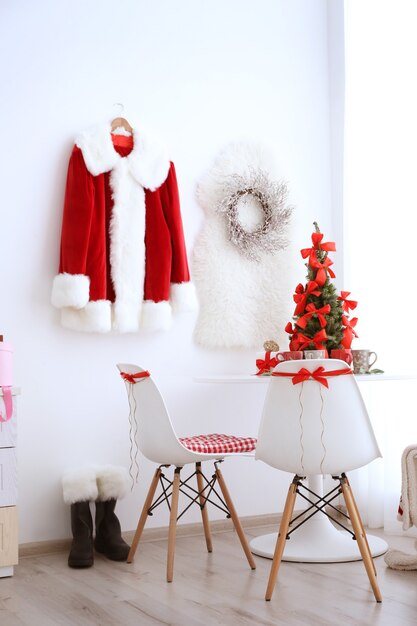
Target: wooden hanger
[[121, 121]]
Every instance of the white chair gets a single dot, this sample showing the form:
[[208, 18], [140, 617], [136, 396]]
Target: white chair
[[310, 429], [158, 442]]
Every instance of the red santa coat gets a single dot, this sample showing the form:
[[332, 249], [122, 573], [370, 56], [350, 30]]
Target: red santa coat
[[123, 260]]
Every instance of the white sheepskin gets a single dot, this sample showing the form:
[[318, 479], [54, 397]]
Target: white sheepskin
[[242, 302], [80, 485], [112, 482]]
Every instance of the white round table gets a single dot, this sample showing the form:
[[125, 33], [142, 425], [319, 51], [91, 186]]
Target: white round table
[[318, 540]]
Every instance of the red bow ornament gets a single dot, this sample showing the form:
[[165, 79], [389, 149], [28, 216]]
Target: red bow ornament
[[348, 332], [300, 296], [347, 304], [317, 340], [294, 339], [316, 238], [322, 269], [311, 310], [134, 378], [266, 365], [305, 374]]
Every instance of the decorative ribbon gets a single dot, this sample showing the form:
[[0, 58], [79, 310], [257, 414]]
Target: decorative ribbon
[[347, 304], [311, 310], [322, 269], [134, 378], [319, 375], [316, 238], [266, 365], [300, 296], [348, 332], [8, 404], [317, 340]]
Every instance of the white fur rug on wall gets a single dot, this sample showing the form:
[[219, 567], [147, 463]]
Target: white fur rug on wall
[[242, 301]]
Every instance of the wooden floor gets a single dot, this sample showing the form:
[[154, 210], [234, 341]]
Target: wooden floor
[[217, 588]]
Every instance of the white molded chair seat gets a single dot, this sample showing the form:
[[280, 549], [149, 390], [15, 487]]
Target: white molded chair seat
[[315, 422], [159, 443]]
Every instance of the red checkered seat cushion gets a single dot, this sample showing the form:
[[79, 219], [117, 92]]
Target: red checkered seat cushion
[[218, 444]]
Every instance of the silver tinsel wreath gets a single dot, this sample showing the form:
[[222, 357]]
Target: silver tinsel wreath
[[272, 197]]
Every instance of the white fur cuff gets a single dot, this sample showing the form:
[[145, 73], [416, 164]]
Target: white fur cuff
[[79, 485], [70, 290], [95, 317], [183, 297], [112, 482], [156, 315]]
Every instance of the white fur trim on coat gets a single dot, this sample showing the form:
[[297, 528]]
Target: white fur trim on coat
[[80, 485], [127, 247], [183, 297], [94, 317], [112, 482], [70, 290], [156, 315], [148, 162]]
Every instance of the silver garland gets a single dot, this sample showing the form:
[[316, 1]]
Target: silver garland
[[272, 197]]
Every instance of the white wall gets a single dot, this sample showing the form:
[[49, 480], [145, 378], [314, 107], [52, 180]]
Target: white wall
[[201, 74], [380, 210]]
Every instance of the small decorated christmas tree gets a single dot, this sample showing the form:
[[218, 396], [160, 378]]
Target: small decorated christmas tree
[[321, 317]]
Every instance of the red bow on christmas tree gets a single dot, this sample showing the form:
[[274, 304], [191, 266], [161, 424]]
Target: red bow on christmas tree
[[317, 340], [311, 310], [347, 304], [300, 296], [316, 238], [348, 333], [322, 268]]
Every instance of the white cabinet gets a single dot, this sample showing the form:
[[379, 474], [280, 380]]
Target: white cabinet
[[8, 490]]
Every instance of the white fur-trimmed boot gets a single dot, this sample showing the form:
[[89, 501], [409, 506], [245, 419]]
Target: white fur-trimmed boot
[[79, 488], [112, 483]]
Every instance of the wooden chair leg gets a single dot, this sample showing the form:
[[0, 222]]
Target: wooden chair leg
[[360, 520], [281, 539], [144, 515], [173, 524], [203, 504], [235, 519], [360, 537]]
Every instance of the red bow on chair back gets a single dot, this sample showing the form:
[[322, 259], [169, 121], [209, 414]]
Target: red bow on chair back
[[134, 378], [319, 375]]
